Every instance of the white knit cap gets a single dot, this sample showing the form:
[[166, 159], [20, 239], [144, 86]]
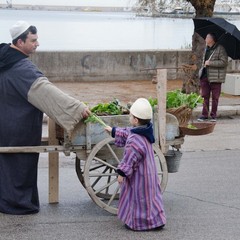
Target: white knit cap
[[18, 28], [142, 109]]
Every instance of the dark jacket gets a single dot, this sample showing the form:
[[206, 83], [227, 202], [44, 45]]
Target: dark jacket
[[20, 125], [217, 69]]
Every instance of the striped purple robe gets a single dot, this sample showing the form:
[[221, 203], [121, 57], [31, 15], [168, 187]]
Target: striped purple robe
[[140, 205]]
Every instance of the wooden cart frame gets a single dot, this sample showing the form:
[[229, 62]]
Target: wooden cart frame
[[100, 156]]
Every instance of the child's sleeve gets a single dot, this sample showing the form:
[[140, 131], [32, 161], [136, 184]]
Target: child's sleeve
[[120, 135], [121, 173], [130, 161]]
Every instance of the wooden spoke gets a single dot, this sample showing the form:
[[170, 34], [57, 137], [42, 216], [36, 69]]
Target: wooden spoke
[[113, 153], [99, 177], [97, 167], [109, 179], [106, 186], [103, 175], [113, 195], [104, 162]]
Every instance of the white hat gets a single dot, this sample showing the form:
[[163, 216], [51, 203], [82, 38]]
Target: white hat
[[18, 28], [142, 109]]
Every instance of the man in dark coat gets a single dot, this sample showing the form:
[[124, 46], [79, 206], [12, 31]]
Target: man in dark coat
[[25, 93]]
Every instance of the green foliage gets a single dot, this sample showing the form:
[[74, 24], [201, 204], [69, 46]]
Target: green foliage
[[152, 101], [176, 99], [112, 108], [101, 109], [191, 126], [93, 118]]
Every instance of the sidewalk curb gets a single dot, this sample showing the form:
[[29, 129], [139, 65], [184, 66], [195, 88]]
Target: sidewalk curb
[[223, 111]]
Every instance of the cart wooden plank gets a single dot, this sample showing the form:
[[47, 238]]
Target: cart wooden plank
[[161, 97], [53, 165], [41, 149]]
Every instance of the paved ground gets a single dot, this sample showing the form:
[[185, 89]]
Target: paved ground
[[202, 200], [129, 91], [125, 91]]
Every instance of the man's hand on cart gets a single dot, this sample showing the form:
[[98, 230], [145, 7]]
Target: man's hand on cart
[[86, 113]]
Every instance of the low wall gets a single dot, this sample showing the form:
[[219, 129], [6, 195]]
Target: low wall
[[114, 65]]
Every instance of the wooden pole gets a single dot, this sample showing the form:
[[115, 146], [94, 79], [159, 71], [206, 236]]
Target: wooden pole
[[53, 163], [161, 97], [34, 149]]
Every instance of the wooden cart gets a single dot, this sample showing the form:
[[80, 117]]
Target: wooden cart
[[97, 157], [96, 163]]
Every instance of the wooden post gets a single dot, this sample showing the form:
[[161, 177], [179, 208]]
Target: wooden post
[[161, 97], [53, 164]]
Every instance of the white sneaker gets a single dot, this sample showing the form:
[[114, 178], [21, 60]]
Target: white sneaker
[[213, 120], [202, 119]]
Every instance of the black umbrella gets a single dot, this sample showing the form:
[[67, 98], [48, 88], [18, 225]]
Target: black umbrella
[[228, 34]]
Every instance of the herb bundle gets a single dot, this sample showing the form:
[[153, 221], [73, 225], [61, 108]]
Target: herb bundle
[[93, 118], [112, 108], [177, 99]]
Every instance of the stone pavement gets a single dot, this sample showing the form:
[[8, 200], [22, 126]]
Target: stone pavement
[[202, 200]]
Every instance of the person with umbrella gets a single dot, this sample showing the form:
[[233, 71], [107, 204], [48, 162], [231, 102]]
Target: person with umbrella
[[222, 41], [215, 62]]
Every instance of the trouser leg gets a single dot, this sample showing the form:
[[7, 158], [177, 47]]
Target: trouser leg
[[205, 92], [216, 91]]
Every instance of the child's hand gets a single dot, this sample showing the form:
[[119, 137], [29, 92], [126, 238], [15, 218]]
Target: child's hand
[[120, 179], [108, 129]]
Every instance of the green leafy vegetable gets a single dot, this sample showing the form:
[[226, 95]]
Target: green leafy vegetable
[[176, 99], [191, 126], [112, 108], [152, 101], [93, 118]]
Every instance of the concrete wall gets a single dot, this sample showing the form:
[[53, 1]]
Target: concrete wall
[[104, 65]]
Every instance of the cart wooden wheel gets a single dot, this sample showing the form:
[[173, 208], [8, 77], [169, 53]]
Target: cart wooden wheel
[[100, 177], [79, 170]]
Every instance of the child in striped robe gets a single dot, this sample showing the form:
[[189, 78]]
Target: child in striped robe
[[140, 204]]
